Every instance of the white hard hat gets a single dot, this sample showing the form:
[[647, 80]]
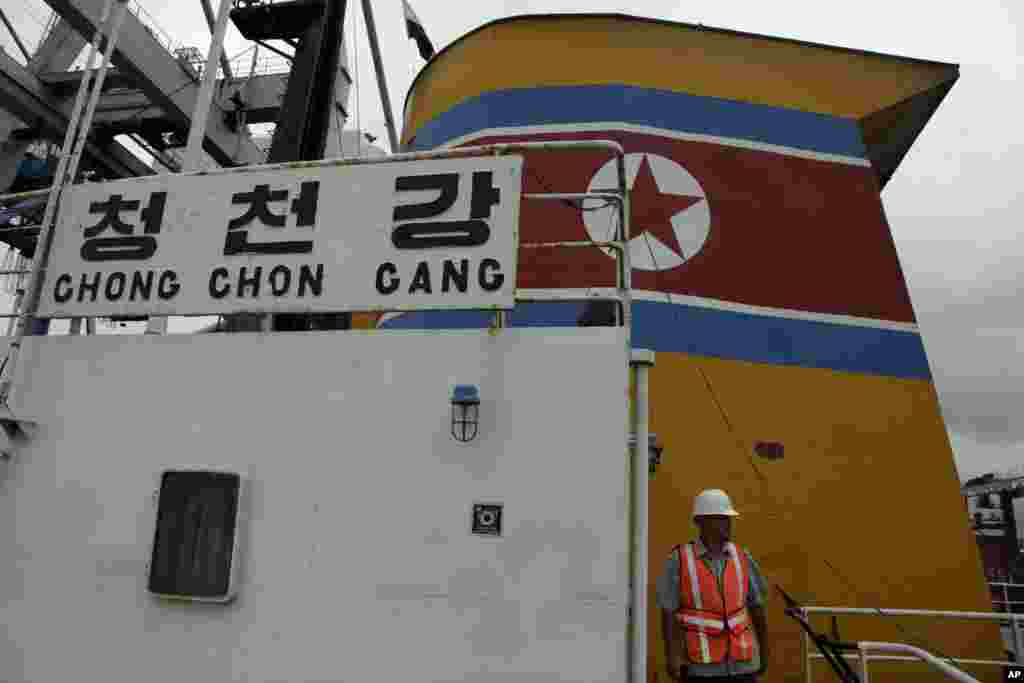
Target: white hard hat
[[713, 502]]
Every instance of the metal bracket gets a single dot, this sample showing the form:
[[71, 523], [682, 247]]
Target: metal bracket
[[14, 432], [831, 650]]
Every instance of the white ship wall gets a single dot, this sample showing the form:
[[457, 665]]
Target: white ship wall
[[357, 559]]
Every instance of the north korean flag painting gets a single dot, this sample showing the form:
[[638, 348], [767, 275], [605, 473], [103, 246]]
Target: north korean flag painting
[[756, 233]]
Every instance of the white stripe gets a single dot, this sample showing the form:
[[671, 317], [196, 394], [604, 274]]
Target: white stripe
[[661, 132], [733, 621], [705, 651], [718, 304], [739, 569], [694, 584], [701, 621], [388, 316], [742, 586], [745, 645]]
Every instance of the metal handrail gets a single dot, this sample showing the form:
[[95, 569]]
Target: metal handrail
[[951, 671], [904, 658], [810, 655], [1006, 593], [886, 612]]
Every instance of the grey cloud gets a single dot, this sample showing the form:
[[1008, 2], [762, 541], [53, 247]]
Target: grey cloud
[[982, 416]]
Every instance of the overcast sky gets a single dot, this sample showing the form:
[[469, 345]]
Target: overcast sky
[[954, 205]]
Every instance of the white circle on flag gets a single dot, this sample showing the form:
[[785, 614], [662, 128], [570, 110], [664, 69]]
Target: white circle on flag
[[691, 225]]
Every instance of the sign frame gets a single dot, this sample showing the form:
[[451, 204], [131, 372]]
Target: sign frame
[[466, 258]]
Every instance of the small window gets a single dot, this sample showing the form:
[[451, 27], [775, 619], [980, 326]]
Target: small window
[[196, 535]]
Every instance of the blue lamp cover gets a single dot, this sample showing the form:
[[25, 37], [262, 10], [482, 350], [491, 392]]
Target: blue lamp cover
[[466, 394]]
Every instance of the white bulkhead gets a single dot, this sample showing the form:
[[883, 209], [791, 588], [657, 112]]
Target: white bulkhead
[[357, 559]]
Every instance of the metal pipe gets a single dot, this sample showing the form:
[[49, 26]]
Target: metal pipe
[[575, 243], [1013, 624], [949, 670], [903, 658], [626, 262], [378, 65], [117, 20], [201, 112], [987, 616], [805, 647], [225, 65], [18, 196], [274, 49], [43, 242], [1018, 640], [14, 34], [609, 196], [641, 362], [252, 65], [863, 665]]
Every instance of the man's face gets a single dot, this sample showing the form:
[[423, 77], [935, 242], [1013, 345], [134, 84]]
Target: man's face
[[715, 528]]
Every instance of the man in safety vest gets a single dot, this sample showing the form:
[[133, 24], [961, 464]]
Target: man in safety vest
[[712, 597]]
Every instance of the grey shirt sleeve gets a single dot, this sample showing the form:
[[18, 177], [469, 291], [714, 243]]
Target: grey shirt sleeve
[[757, 590], [668, 584]]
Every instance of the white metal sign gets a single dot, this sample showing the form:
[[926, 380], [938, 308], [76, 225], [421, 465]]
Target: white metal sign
[[311, 237]]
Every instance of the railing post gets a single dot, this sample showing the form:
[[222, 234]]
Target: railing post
[[806, 647], [863, 665], [1018, 640]]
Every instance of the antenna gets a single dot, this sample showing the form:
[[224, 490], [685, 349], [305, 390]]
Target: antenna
[[378, 64]]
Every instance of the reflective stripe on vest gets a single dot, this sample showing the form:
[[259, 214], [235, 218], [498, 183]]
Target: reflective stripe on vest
[[715, 621]]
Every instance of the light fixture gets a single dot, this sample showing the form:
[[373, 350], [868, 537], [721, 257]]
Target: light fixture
[[654, 450], [465, 412], [770, 450]]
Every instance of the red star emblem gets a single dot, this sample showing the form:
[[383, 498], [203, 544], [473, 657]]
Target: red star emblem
[[652, 211]]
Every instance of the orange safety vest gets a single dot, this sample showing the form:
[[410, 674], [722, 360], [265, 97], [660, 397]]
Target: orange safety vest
[[714, 619]]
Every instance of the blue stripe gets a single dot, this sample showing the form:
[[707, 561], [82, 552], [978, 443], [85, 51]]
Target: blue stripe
[[666, 327], [642, 106]]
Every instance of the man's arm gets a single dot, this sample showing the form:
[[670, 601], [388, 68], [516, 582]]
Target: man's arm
[[756, 601], [757, 615], [673, 658], [667, 588]]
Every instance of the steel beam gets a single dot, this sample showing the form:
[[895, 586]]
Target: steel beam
[[164, 80], [15, 36], [59, 49], [25, 98], [225, 65], [65, 83], [261, 94]]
